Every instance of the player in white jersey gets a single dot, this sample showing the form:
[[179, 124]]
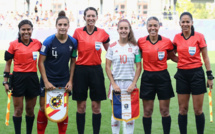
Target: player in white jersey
[[123, 55]]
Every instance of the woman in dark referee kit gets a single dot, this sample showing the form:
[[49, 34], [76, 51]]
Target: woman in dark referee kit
[[155, 78], [190, 78], [25, 84], [88, 71]]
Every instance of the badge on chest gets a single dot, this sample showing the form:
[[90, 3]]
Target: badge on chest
[[98, 45], [192, 50], [161, 55]]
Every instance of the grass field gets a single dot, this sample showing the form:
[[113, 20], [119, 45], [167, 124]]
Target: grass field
[[106, 111]]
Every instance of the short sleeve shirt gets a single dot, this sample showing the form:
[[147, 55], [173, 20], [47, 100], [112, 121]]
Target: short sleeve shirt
[[189, 50], [155, 55], [90, 45], [57, 57], [25, 57], [123, 59]]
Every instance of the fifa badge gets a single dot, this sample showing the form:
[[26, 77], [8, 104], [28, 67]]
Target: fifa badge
[[161, 55], [192, 50]]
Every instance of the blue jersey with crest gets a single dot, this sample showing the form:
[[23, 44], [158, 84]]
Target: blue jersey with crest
[[57, 59]]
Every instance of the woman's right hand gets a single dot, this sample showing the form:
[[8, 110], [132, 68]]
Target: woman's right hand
[[49, 86], [6, 86], [116, 88]]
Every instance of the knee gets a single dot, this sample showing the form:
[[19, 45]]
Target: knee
[[81, 108], [183, 110], [148, 112], [18, 111], [30, 111], [198, 111], [96, 109], [164, 112]]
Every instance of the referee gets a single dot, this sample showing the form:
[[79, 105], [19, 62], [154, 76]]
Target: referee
[[88, 71], [155, 78], [190, 78], [25, 84]]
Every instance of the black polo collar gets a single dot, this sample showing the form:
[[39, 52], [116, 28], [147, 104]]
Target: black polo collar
[[192, 34], [85, 29], [159, 38], [20, 41]]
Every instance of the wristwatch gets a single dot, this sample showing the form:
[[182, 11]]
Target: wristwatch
[[210, 77], [5, 82]]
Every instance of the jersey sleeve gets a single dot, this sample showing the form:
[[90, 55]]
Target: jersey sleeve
[[109, 54], [46, 45], [74, 51], [11, 49], [174, 42], [137, 54], [75, 35], [170, 46], [202, 41], [106, 37]]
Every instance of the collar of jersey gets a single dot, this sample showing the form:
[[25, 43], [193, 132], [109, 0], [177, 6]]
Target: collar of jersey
[[192, 34], [20, 41], [85, 29], [159, 38]]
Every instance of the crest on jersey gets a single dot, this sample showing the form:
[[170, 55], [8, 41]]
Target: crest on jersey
[[56, 108], [34, 55], [161, 55], [98, 45], [129, 49], [192, 50], [70, 48]]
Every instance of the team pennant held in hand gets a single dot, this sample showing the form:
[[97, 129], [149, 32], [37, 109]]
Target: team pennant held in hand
[[126, 105], [56, 107]]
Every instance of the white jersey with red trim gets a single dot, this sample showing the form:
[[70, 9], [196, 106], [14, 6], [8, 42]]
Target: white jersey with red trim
[[123, 60]]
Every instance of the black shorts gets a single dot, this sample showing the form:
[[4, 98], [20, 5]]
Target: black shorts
[[190, 81], [59, 84], [25, 84], [153, 83], [88, 77]]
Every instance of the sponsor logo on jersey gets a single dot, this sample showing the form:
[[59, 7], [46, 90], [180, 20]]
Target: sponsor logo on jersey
[[98, 45], [129, 49], [161, 55], [34, 55], [192, 50]]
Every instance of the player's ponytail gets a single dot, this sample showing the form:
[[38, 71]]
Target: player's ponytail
[[191, 17], [61, 15], [23, 22], [131, 37]]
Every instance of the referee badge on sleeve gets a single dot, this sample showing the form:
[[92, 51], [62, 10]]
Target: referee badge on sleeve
[[98, 45], [192, 50], [161, 55], [34, 55]]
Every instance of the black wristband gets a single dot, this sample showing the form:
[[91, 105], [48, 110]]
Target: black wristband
[[209, 75], [6, 74]]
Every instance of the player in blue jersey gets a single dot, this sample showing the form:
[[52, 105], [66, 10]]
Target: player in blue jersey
[[55, 54]]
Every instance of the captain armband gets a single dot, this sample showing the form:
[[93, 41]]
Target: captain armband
[[8, 56]]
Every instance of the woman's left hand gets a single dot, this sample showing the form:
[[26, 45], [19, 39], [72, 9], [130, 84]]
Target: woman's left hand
[[210, 84], [68, 87], [131, 88]]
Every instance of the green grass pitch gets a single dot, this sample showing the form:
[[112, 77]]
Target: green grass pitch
[[106, 110]]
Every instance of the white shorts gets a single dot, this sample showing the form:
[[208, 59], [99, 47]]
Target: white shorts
[[123, 84]]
